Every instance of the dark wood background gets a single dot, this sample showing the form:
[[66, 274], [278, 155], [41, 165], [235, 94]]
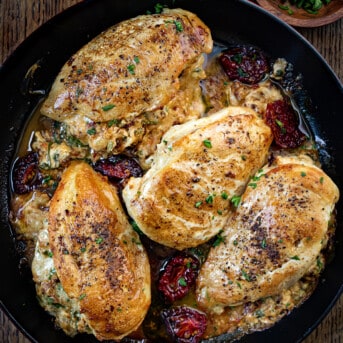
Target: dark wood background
[[18, 18]]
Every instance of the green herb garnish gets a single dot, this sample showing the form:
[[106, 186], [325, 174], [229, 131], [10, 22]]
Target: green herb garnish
[[235, 200], [91, 131], [99, 240], [219, 239], [108, 107], [182, 282], [198, 204], [207, 143], [131, 68]]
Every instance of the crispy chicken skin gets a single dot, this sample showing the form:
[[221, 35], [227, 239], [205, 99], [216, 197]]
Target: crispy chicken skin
[[184, 199], [97, 255], [273, 238], [131, 68]]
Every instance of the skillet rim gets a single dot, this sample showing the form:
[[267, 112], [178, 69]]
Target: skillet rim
[[74, 9]]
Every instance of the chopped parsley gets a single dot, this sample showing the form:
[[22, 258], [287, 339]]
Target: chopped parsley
[[91, 131], [108, 107], [177, 23], [136, 228], [280, 125], [207, 143], [241, 72], [99, 240], [235, 200], [182, 282], [320, 264], [237, 58], [48, 253], [113, 122], [133, 240], [245, 275], [75, 142], [210, 198], [219, 239], [131, 68], [47, 179], [224, 195], [198, 204], [158, 8], [295, 257]]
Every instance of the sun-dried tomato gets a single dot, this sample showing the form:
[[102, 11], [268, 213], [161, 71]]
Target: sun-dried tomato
[[26, 175], [119, 167], [184, 324], [284, 123], [244, 63], [178, 276]]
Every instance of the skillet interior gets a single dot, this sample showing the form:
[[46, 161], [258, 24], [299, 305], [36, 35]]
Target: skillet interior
[[56, 41]]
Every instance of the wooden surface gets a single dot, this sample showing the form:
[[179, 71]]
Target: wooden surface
[[18, 18]]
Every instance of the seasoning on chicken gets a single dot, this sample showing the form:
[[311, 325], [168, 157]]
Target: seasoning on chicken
[[98, 258], [197, 170], [131, 68], [274, 237]]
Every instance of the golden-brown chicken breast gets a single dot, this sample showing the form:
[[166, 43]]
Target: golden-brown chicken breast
[[273, 238], [98, 257], [184, 199], [131, 68]]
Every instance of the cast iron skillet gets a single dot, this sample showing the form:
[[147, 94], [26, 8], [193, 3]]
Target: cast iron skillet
[[230, 20]]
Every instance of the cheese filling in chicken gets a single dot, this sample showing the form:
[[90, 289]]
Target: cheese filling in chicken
[[184, 199], [98, 258], [273, 238]]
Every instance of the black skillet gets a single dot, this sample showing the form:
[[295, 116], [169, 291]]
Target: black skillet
[[230, 21]]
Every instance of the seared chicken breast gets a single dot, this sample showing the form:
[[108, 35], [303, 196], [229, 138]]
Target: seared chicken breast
[[184, 199], [273, 238], [98, 257], [131, 68]]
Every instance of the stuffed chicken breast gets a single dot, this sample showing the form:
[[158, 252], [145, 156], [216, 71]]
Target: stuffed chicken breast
[[131, 68], [197, 170], [100, 266], [273, 238]]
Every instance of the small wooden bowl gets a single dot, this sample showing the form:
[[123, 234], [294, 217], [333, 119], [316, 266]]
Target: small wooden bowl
[[300, 18]]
